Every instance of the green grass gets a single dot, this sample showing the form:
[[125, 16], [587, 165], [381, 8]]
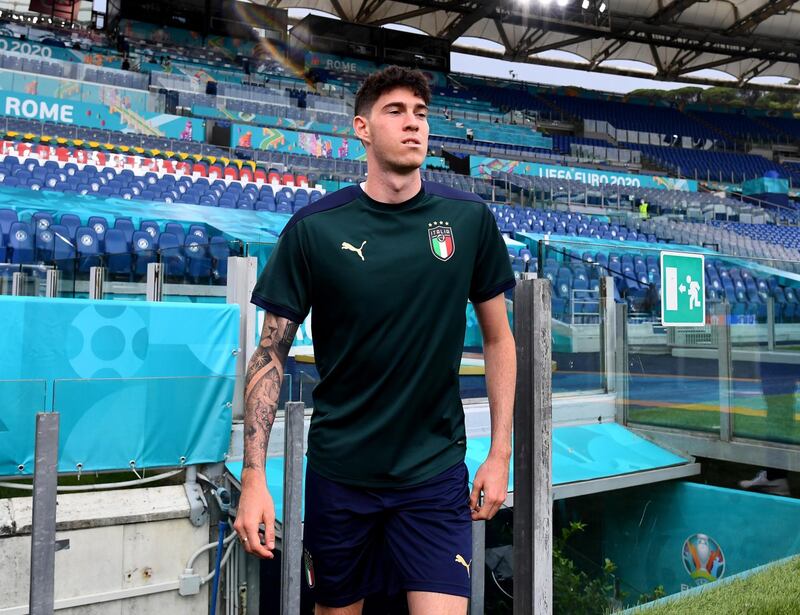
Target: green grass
[[774, 591], [754, 427]]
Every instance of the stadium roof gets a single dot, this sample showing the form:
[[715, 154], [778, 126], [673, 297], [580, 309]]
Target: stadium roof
[[744, 38]]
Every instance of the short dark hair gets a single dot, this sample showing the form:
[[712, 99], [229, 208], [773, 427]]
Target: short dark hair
[[391, 77]]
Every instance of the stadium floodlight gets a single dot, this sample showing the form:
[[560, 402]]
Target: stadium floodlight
[[602, 8]]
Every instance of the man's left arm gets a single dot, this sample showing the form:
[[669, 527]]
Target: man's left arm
[[500, 359]]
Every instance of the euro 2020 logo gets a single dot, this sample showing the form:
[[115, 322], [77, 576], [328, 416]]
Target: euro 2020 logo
[[703, 558]]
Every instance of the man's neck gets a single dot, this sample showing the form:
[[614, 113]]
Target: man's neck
[[392, 189]]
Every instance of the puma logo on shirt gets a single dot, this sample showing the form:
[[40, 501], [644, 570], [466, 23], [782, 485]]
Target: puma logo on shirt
[[349, 246]]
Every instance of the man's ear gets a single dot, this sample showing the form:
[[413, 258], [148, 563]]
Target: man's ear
[[361, 128]]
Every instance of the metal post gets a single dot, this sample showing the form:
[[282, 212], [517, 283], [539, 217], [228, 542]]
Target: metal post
[[96, 278], [18, 284], [52, 283], [155, 282], [291, 574], [533, 490], [771, 324], [43, 533], [477, 568], [242, 274], [621, 364], [722, 322], [608, 333]]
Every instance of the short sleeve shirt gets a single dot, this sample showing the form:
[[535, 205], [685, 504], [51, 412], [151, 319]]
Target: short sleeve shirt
[[388, 285]]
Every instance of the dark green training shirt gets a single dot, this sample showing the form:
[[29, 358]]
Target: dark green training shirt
[[388, 285]]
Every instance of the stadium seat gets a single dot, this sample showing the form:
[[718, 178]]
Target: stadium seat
[[21, 244], [170, 251], [118, 257], [198, 266], [144, 252], [88, 248]]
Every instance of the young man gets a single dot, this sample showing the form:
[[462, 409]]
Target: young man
[[388, 267]]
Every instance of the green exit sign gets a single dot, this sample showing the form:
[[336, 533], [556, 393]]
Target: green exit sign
[[683, 290]]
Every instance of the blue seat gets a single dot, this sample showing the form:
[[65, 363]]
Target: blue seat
[[7, 218], [71, 222], [218, 248], [100, 226], [126, 226], [118, 257], [41, 220], [88, 247], [170, 252], [20, 242], [177, 230], [198, 266], [198, 230], [63, 245], [144, 252], [151, 227], [45, 244]]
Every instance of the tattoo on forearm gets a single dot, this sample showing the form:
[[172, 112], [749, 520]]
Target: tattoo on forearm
[[263, 386]]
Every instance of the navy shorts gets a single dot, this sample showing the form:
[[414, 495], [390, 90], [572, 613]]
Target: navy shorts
[[359, 542]]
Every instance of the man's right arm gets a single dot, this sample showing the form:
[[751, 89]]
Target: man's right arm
[[262, 389]]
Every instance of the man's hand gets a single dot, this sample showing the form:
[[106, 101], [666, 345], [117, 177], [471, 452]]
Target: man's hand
[[491, 480], [256, 507]]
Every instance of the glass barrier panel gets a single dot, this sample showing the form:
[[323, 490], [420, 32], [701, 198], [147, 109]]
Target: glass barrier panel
[[134, 423], [765, 351], [197, 272], [21, 401]]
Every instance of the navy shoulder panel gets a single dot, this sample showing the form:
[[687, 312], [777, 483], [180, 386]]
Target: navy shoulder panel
[[329, 201], [450, 193]]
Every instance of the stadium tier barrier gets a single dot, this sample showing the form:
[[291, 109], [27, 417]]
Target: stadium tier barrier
[[137, 385]]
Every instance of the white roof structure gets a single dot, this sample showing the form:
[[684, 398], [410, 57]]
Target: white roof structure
[[743, 38]]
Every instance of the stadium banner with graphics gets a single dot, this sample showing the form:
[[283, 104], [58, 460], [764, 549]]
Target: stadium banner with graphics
[[681, 534], [132, 381], [481, 166], [230, 47], [41, 50], [294, 142], [274, 121], [68, 89], [349, 67], [109, 117]]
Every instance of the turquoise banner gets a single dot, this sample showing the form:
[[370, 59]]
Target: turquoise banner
[[44, 51], [126, 377], [344, 67], [483, 167], [291, 141], [163, 34], [67, 89], [114, 116], [244, 225], [345, 129], [681, 535], [764, 185]]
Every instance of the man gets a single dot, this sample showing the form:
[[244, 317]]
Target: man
[[388, 267]]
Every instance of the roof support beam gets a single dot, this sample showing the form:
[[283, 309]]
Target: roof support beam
[[605, 53], [560, 44], [400, 17], [750, 22], [613, 70], [465, 21], [754, 72], [671, 11]]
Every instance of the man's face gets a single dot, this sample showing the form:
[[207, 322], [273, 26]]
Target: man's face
[[396, 129]]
